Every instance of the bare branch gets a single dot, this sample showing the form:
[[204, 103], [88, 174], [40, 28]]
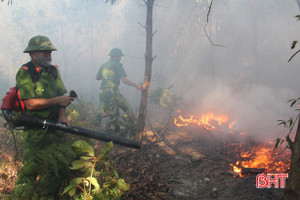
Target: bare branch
[[9, 2], [154, 33], [207, 17], [142, 25], [293, 55], [154, 58]]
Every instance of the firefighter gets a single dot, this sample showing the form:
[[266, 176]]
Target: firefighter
[[45, 157], [110, 73]]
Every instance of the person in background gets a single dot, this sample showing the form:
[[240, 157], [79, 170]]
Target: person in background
[[110, 73]]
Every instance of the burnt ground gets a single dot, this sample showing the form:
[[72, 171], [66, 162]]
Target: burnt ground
[[180, 164], [189, 164]]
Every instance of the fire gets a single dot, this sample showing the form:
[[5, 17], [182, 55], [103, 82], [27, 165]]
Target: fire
[[263, 156], [259, 158], [235, 168], [232, 124], [208, 121]]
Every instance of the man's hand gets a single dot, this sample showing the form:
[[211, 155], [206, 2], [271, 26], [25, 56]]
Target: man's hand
[[64, 100], [139, 87]]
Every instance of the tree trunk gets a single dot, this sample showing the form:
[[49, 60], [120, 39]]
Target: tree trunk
[[292, 189], [148, 69]]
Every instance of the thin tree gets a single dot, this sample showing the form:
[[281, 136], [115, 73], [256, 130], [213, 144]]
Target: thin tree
[[292, 189], [148, 68]]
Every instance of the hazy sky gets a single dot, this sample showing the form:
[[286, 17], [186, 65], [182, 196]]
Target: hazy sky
[[249, 78]]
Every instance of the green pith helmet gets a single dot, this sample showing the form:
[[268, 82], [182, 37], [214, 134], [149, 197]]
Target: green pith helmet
[[116, 52], [39, 43]]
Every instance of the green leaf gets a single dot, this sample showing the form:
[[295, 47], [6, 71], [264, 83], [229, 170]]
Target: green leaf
[[78, 164], [277, 142], [122, 185], [115, 173], [72, 192], [68, 188], [73, 184], [291, 121], [94, 182], [105, 150], [298, 17], [293, 45], [116, 192], [293, 103], [81, 146], [281, 122], [86, 158]]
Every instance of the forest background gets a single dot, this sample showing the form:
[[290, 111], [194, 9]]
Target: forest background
[[248, 78]]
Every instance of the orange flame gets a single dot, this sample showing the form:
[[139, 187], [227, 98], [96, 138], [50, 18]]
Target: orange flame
[[232, 124], [263, 156], [208, 121]]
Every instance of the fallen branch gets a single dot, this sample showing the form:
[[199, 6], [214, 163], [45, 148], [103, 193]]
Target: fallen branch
[[246, 170]]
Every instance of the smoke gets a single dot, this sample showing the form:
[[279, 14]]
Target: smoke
[[256, 110], [250, 79]]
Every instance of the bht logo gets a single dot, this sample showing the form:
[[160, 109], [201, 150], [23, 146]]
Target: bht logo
[[266, 181]]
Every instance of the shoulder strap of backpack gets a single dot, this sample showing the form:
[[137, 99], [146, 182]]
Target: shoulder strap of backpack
[[32, 71], [21, 104], [53, 70], [34, 74]]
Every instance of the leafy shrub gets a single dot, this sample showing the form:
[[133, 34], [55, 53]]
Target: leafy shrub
[[94, 184]]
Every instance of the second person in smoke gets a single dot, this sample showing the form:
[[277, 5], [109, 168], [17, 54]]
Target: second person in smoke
[[110, 73]]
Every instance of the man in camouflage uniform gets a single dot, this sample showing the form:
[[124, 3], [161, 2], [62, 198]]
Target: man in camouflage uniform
[[110, 74], [45, 161]]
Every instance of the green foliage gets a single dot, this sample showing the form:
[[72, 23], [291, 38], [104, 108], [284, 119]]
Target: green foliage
[[5, 196], [293, 101], [287, 124], [93, 184], [84, 114], [115, 120], [293, 45], [279, 141], [116, 123], [290, 124], [25, 191], [164, 98], [81, 114]]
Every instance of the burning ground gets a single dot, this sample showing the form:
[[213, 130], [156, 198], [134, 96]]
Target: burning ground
[[194, 161]]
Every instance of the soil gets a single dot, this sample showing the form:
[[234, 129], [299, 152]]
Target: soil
[[179, 164], [189, 164]]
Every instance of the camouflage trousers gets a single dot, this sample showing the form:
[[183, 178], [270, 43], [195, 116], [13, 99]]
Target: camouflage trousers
[[46, 159], [113, 96], [111, 100]]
